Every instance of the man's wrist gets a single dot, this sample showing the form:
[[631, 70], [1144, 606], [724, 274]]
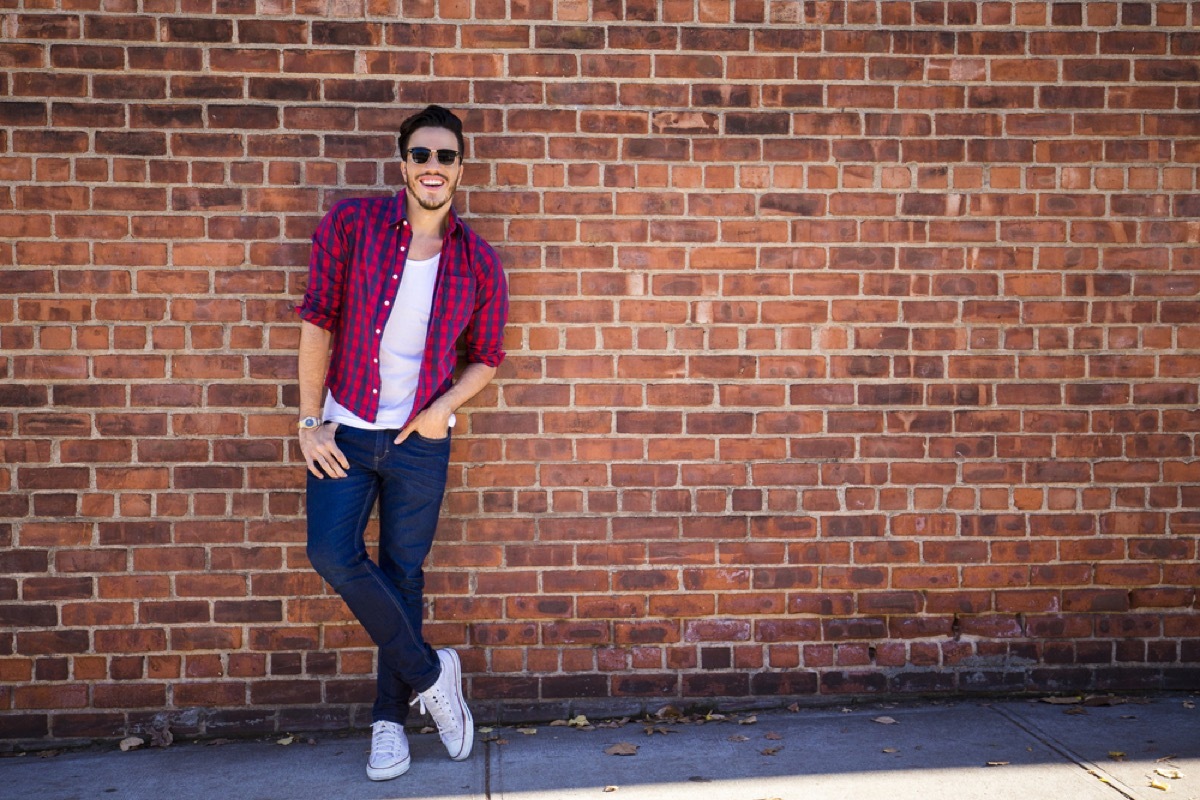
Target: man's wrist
[[309, 422]]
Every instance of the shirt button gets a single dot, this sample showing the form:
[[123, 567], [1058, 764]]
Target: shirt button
[[395, 277], [377, 330], [374, 391], [402, 248], [387, 302]]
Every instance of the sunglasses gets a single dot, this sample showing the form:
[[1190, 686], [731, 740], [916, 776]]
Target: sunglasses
[[420, 155]]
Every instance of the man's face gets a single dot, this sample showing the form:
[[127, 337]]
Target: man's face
[[431, 184]]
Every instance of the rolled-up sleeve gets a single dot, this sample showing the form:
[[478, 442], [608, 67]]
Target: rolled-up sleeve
[[485, 333], [332, 249]]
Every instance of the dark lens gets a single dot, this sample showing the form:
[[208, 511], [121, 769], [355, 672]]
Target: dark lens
[[420, 155], [447, 157]]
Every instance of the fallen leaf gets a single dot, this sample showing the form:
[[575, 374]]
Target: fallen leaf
[[668, 712], [484, 729], [610, 788], [1075, 711], [580, 722], [559, 723], [773, 736], [502, 741], [285, 741], [131, 743], [794, 707], [653, 729], [890, 750], [1104, 700], [998, 763], [622, 749], [1188, 704], [1062, 701], [1098, 776], [527, 731], [770, 751], [884, 720], [429, 729], [1173, 774], [737, 737], [1155, 783], [750, 720], [1116, 755]]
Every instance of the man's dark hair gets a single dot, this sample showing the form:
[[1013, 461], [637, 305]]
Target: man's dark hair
[[430, 117]]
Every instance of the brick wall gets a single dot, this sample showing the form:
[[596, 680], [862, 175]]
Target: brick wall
[[854, 349]]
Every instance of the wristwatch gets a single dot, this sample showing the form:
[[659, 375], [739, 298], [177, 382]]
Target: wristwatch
[[308, 423]]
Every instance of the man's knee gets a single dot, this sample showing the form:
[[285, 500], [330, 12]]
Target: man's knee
[[334, 566]]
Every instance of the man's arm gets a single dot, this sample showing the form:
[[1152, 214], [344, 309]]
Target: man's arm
[[321, 454], [433, 422]]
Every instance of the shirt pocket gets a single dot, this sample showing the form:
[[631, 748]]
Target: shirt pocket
[[457, 302]]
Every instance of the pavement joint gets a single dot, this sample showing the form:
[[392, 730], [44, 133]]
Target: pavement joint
[[1064, 750]]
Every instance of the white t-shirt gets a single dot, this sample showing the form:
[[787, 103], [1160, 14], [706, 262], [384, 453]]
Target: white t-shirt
[[401, 350]]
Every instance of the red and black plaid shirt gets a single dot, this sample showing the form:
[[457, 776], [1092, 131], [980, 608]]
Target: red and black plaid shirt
[[357, 260]]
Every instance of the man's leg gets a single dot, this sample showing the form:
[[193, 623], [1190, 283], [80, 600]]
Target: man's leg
[[338, 510], [414, 481]]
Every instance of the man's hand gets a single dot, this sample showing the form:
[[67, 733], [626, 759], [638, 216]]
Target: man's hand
[[432, 423], [320, 451]]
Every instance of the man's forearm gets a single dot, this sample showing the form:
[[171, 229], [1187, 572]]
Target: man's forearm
[[314, 363], [470, 383]]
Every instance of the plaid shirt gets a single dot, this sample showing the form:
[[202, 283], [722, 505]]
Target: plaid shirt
[[358, 256]]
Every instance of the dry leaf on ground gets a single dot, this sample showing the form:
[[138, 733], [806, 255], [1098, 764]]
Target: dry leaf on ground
[[890, 750], [773, 736], [622, 749], [668, 712], [1155, 783], [1173, 774], [737, 737], [610, 788], [484, 729], [559, 723], [1104, 700], [131, 743], [794, 707], [884, 720], [770, 751], [527, 731], [1188, 704], [1116, 755], [285, 741], [998, 763], [1063, 701], [429, 729], [750, 720]]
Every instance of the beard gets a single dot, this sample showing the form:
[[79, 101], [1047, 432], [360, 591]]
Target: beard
[[415, 190]]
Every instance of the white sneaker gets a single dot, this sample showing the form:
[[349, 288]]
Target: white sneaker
[[389, 751], [448, 707]]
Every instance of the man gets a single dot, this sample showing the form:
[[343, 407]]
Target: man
[[393, 283]]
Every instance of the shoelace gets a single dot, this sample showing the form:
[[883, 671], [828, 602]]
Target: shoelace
[[385, 738], [435, 700]]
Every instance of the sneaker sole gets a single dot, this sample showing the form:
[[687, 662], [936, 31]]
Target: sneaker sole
[[386, 774], [468, 720]]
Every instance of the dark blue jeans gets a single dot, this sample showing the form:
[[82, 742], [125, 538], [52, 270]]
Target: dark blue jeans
[[408, 480]]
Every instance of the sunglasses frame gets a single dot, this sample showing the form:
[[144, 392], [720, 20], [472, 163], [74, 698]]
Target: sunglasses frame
[[429, 152]]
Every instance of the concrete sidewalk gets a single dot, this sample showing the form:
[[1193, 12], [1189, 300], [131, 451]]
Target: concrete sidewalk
[[932, 751]]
